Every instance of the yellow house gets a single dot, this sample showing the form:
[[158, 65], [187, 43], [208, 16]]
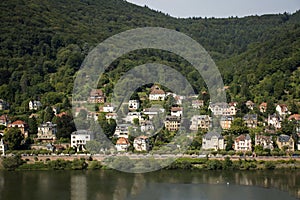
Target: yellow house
[[285, 142]]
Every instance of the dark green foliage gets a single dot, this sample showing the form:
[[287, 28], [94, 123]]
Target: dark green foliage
[[43, 45], [12, 162], [65, 126], [270, 165], [14, 138], [79, 164]]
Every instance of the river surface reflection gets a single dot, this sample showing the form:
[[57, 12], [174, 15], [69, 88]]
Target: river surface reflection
[[177, 184]]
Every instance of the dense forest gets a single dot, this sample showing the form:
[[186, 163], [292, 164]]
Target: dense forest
[[43, 44]]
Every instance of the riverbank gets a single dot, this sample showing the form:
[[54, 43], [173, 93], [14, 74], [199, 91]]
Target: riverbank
[[87, 162]]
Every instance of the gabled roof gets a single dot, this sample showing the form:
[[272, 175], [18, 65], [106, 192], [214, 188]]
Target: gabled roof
[[250, 117], [122, 141], [96, 92], [263, 104], [19, 122], [176, 109], [211, 134], [243, 137], [294, 117], [283, 138]]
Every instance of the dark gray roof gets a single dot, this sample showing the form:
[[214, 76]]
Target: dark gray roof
[[284, 138], [250, 117], [210, 134]]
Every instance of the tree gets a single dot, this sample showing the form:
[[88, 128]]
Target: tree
[[48, 115], [14, 137], [65, 126], [33, 126]]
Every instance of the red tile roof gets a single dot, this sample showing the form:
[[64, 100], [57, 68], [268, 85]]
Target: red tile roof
[[122, 141]]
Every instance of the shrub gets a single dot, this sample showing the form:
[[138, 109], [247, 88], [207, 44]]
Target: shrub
[[270, 165], [93, 165], [13, 162]]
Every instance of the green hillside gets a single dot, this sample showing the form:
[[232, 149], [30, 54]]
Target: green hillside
[[43, 44]]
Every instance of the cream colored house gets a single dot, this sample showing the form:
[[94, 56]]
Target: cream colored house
[[122, 144], [47, 132], [141, 143], [285, 142]]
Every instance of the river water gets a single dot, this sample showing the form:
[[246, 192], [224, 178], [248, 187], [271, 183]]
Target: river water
[[161, 185]]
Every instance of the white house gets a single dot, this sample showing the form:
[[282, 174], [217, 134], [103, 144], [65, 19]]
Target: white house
[[2, 145], [108, 108], [111, 116], [243, 143], [122, 130], [141, 143], [213, 140], [200, 122], [282, 110], [250, 105], [197, 104], [157, 94], [223, 109], [147, 126], [133, 105], [122, 144], [265, 141], [176, 111], [131, 116], [80, 138], [153, 111], [47, 132], [275, 121], [34, 105]]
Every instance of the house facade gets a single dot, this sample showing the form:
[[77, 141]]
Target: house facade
[[243, 143], [47, 132], [265, 141], [157, 94], [250, 105], [200, 122], [3, 146], [122, 144], [172, 123], [141, 143], [34, 105], [147, 126], [4, 121], [122, 131], [250, 120], [133, 105], [275, 121], [223, 109], [80, 138], [213, 140], [21, 125], [197, 104], [176, 111], [97, 96], [282, 110], [107, 108], [263, 107], [285, 142], [226, 122], [131, 116]]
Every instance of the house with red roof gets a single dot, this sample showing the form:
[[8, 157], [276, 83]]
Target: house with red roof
[[21, 125]]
